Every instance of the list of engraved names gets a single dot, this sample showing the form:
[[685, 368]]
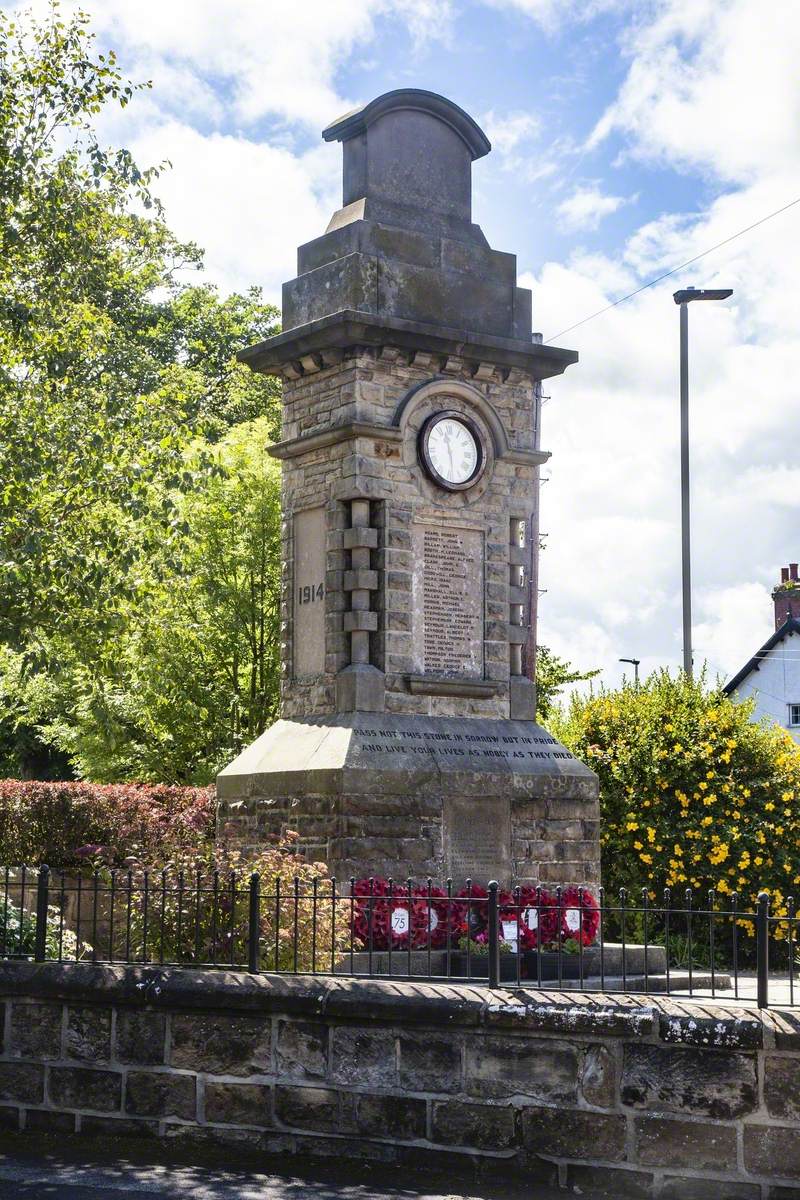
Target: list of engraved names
[[448, 600]]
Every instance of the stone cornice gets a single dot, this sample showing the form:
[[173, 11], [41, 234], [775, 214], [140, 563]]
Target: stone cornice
[[350, 328], [432, 685], [308, 442]]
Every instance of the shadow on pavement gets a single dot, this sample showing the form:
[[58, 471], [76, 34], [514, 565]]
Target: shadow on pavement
[[82, 1173]]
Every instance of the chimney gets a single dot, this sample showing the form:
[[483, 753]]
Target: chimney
[[786, 595]]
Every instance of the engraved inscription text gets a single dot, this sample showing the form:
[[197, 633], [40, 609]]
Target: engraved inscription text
[[448, 600]]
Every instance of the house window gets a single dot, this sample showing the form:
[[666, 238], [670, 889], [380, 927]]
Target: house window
[[794, 714]]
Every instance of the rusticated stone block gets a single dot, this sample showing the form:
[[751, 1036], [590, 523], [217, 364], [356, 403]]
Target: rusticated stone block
[[391, 1117], [117, 1127], [572, 1016], [322, 1109], [88, 1034], [484, 1126], [598, 1077], [679, 1187], [772, 1150], [238, 1103], [497, 1066], [140, 1037], [80, 1087], [9, 1118], [782, 1087], [363, 1056], [712, 1083], [352, 1149], [35, 1030], [610, 1183], [159, 1094], [741, 1032], [209, 1138], [42, 1120], [22, 1081], [784, 1028], [661, 1142], [559, 1134], [221, 1045], [429, 1063], [301, 1049]]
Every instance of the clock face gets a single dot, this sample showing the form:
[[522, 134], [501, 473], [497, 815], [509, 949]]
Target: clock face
[[451, 450]]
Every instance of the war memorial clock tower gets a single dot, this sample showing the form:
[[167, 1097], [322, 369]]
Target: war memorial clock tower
[[407, 743]]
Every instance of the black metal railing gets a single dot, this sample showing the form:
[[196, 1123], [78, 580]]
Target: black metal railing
[[566, 938]]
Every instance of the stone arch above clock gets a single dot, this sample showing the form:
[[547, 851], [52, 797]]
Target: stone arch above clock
[[472, 396], [420, 405]]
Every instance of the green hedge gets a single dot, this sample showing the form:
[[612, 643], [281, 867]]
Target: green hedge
[[66, 824]]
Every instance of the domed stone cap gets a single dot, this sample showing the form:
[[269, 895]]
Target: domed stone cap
[[410, 99], [412, 151]]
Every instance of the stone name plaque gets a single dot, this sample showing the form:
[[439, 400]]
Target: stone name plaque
[[448, 600], [309, 593], [477, 837]]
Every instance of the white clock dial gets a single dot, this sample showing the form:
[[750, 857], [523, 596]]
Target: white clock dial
[[453, 450]]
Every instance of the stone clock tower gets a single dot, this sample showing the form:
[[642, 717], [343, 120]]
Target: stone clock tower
[[407, 743]]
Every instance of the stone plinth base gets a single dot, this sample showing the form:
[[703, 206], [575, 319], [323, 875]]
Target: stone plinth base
[[399, 796]]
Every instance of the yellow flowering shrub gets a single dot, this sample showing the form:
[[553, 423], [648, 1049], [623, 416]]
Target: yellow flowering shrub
[[693, 794]]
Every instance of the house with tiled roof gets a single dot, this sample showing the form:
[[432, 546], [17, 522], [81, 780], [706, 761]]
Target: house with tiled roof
[[772, 676]]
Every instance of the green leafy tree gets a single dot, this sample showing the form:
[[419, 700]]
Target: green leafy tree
[[111, 365], [553, 674], [693, 794], [194, 673]]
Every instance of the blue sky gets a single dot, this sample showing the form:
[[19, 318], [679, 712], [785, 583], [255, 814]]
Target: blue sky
[[628, 136]]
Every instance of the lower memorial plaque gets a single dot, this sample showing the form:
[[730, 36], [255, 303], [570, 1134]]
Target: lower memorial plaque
[[448, 600], [477, 838]]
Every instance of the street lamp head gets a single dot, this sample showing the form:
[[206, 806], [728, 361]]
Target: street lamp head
[[692, 293]]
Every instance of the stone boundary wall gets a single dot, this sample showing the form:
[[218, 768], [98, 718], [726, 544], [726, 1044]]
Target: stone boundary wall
[[607, 1096]]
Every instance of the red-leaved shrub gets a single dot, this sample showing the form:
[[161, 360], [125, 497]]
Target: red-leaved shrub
[[67, 824]]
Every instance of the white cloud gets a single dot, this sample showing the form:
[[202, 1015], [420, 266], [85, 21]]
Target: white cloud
[[612, 505], [586, 208], [266, 59], [506, 131], [240, 92], [550, 14], [738, 620], [712, 86], [248, 204]]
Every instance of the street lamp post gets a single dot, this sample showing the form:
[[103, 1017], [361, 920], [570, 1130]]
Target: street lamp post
[[683, 299], [635, 664]]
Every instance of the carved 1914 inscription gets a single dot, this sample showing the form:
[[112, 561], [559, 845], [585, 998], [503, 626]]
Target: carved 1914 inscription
[[309, 592], [448, 600]]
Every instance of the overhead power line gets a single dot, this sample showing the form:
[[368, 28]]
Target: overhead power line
[[674, 271]]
